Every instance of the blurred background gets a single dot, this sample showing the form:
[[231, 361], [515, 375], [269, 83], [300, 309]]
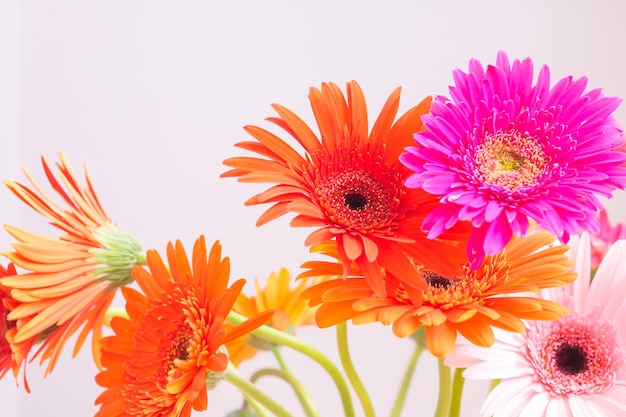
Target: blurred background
[[152, 95]]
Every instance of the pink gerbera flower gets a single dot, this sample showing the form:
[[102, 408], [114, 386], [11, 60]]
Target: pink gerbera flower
[[573, 366], [608, 234], [502, 150]]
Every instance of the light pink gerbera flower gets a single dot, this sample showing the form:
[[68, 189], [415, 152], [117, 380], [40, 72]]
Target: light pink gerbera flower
[[502, 150], [570, 367]]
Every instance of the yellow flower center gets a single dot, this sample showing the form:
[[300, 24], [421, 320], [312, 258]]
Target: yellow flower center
[[510, 160]]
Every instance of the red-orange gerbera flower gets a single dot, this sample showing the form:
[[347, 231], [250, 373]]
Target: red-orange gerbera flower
[[290, 311], [468, 304], [349, 183], [71, 280], [167, 353], [6, 361]]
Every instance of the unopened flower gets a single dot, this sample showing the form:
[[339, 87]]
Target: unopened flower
[[348, 183], [574, 366], [470, 303], [69, 281], [503, 150], [171, 348]]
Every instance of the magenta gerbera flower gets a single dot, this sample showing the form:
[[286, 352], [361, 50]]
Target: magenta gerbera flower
[[574, 366], [502, 150]]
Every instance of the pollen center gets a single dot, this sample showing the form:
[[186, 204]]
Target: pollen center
[[510, 160], [355, 199]]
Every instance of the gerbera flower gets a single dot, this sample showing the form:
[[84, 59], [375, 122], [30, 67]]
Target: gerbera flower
[[607, 235], [503, 150], [169, 351], [573, 366], [6, 361], [71, 280], [470, 304], [290, 312], [348, 184]]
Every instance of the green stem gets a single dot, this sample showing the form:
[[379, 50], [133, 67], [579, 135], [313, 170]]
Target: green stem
[[279, 357], [457, 392], [493, 384], [259, 410], [275, 336], [443, 402], [250, 390], [350, 370], [406, 381], [303, 396]]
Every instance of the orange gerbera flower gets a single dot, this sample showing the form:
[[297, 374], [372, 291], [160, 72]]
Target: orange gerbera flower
[[6, 361], [468, 304], [168, 352], [290, 311], [71, 280], [349, 184]]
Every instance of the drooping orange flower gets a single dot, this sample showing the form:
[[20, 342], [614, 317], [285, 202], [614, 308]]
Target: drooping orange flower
[[168, 352], [470, 303], [290, 312], [349, 184], [6, 361], [71, 280]]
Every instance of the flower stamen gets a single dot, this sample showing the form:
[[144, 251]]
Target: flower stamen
[[510, 160]]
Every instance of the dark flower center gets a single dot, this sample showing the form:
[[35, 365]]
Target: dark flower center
[[179, 347], [355, 201], [437, 281], [571, 359]]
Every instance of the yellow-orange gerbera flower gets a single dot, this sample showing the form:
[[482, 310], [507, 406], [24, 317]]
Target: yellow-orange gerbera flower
[[290, 311], [348, 184], [69, 281], [468, 304], [167, 353]]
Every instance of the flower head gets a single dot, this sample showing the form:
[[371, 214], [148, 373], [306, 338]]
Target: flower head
[[573, 366], [349, 184], [470, 304], [502, 150], [170, 350], [69, 281], [290, 312]]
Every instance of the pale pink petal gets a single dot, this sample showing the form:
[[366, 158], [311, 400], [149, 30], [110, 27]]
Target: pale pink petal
[[507, 398], [610, 279], [536, 405]]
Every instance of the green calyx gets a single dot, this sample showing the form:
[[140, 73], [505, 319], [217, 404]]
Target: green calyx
[[118, 253]]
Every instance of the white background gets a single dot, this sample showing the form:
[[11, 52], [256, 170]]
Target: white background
[[153, 95]]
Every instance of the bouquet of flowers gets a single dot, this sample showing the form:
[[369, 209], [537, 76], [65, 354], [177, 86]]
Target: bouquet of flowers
[[471, 223]]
